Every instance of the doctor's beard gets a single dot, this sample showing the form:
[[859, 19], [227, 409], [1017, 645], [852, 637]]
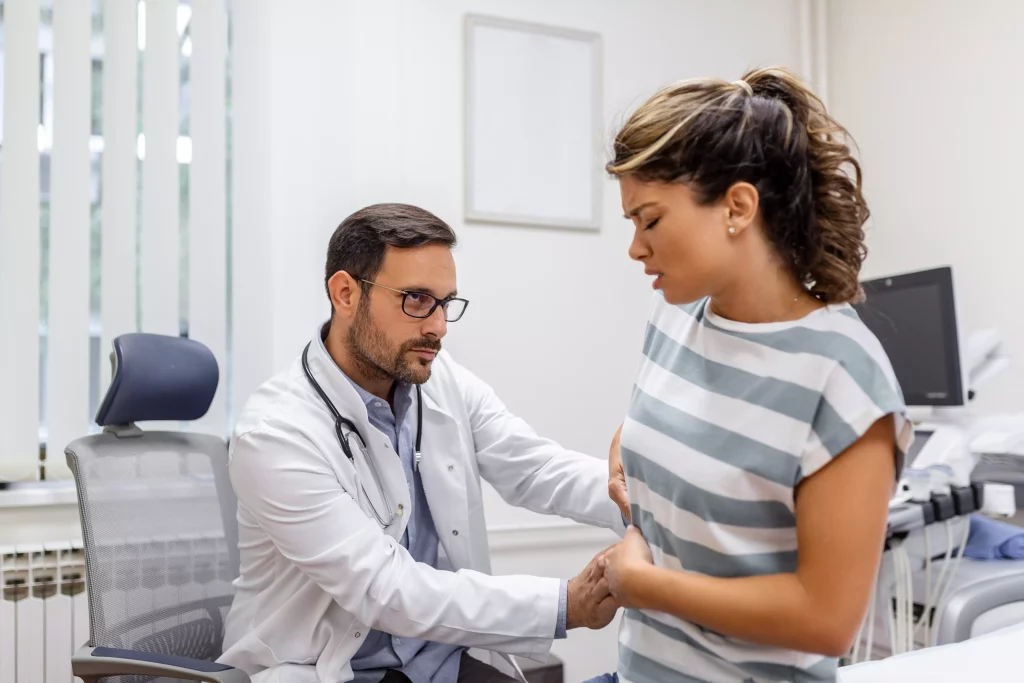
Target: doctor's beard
[[378, 358]]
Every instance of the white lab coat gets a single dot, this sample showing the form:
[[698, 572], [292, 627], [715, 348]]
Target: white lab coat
[[318, 571]]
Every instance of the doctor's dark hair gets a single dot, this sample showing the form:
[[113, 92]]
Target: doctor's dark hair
[[358, 245], [771, 131]]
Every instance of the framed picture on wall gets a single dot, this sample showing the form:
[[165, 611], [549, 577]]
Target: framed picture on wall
[[533, 124]]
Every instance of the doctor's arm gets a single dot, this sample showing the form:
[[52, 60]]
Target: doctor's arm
[[841, 514], [530, 471], [299, 503], [617, 477]]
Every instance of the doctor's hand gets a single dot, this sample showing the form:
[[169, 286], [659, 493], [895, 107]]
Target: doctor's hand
[[590, 602], [625, 565], [617, 477]]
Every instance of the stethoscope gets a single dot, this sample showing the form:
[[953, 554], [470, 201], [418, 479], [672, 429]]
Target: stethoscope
[[341, 421]]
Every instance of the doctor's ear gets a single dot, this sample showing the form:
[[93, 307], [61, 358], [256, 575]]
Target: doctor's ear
[[345, 293]]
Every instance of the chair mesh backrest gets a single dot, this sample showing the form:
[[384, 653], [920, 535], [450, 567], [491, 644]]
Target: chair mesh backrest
[[160, 538]]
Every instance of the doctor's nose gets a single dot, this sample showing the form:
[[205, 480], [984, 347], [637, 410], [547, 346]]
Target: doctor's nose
[[435, 325]]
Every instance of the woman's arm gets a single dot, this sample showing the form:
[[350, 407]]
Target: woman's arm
[[840, 519]]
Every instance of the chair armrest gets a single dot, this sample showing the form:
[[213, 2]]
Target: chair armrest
[[90, 663]]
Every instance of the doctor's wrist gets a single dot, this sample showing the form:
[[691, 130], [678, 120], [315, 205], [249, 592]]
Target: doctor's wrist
[[573, 618]]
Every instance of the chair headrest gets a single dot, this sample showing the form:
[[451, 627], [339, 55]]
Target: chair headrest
[[158, 377]]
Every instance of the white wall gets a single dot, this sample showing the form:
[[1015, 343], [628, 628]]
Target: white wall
[[365, 105], [930, 90]]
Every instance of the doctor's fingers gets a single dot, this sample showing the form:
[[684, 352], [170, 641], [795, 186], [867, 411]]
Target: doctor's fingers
[[587, 583], [621, 499], [595, 568], [605, 612], [595, 590], [603, 557], [617, 492], [590, 575]]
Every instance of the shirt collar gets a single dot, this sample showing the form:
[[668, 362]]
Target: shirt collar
[[367, 397]]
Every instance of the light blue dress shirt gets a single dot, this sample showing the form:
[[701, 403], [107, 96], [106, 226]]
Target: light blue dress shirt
[[421, 661]]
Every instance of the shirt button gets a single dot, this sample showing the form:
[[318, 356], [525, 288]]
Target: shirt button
[[401, 509], [451, 468], [358, 634], [455, 532]]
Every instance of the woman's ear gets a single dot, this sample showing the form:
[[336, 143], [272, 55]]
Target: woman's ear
[[741, 203]]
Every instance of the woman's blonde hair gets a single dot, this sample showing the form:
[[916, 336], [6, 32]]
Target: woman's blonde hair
[[771, 131]]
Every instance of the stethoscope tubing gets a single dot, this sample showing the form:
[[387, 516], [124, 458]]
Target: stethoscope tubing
[[341, 421]]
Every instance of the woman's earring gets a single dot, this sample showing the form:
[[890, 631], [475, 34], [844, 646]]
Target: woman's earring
[[732, 230]]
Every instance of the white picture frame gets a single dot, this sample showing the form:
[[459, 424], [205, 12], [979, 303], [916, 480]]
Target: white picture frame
[[533, 124]]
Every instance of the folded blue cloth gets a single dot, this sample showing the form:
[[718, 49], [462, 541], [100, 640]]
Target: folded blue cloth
[[605, 678], [992, 540]]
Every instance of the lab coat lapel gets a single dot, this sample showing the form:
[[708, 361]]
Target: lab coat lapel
[[347, 402], [443, 471]]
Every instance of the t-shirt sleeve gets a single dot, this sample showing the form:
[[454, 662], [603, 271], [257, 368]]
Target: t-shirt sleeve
[[856, 395]]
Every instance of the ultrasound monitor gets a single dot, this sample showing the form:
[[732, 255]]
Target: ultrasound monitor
[[914, 317]]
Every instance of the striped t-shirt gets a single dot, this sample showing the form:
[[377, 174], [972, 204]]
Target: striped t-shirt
[[725, 421]]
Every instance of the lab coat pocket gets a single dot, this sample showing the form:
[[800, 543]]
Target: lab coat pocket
[[280, 657], [286, 629]]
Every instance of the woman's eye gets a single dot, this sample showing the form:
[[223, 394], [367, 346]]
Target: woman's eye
[[652, 224]]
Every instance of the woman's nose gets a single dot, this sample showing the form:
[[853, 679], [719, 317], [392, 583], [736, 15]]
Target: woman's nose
[[638, 251]]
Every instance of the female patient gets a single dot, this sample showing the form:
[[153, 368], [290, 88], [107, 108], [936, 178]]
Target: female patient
[[766, 426]]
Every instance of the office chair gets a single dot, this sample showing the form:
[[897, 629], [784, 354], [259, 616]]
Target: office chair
[[158, 521]]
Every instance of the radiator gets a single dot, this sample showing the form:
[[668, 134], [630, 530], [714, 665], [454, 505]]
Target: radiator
[[44, 612]]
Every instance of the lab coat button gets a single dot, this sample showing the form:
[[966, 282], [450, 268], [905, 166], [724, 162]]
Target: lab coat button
[[451, 468], [358, 634], [401, 509], [455, 532]]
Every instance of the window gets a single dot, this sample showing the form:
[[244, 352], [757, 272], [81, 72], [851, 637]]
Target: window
[[97, 355]]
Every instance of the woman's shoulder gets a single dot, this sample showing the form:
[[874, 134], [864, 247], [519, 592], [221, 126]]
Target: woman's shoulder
[[858, 357], [845, 338]]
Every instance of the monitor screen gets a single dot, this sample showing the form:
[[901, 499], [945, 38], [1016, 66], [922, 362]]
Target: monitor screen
[[914, 318]]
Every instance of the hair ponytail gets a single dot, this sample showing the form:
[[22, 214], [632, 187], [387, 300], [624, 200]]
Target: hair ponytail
[[839, 208]]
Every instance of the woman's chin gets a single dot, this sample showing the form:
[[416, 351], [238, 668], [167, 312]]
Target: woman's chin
[[680, 297]]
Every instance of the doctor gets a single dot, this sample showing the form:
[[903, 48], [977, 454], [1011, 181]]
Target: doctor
[[361, 525]]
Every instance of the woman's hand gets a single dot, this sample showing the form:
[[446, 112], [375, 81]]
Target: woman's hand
[[616, 476], [625, 564]]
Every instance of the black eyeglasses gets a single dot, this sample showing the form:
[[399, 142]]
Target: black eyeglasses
[[423, 305]]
